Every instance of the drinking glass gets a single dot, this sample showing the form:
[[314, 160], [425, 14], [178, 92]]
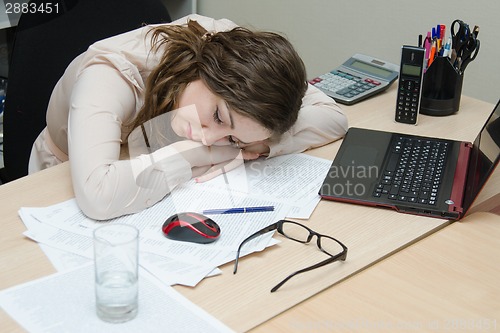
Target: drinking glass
[[116, 253]]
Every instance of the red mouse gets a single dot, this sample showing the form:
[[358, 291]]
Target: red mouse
[[191, 227]]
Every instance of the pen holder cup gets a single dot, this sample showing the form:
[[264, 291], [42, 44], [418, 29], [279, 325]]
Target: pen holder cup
[[441, 89]]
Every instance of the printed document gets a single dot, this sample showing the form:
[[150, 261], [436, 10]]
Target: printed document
[[65, 302], [289, 183]]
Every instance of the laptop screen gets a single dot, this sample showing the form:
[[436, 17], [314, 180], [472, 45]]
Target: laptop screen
[[484, 157]]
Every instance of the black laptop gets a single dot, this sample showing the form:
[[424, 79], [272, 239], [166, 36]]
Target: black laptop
[[413, 174]]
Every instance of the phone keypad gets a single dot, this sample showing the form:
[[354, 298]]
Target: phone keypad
[[408, 99]]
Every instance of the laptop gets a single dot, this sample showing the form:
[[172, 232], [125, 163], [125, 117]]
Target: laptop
[[413, 174]]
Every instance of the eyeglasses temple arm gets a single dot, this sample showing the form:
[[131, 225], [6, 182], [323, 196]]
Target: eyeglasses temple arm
[[236, 262], [265, 230], [341, 256]]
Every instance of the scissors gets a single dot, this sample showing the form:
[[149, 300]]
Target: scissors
[[461, 35], [465, 44], [468, 53]]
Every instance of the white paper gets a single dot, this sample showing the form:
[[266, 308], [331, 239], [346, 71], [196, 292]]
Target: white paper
[[290, 183], [294, 179], [65, 302], [64, 227], [171, 271]]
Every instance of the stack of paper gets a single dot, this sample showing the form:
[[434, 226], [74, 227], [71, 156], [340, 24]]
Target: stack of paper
[[289, 183]]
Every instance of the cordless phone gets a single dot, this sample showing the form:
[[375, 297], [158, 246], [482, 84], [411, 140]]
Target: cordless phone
[[411, 74]]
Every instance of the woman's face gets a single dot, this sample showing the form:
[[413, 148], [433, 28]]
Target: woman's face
[[204, 117]]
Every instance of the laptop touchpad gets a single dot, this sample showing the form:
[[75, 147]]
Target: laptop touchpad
[[359, 156]]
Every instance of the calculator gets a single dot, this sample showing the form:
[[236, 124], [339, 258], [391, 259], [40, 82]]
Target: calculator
[[359, 77]]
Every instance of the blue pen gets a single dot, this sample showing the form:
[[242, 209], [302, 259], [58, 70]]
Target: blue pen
[[239, 210]]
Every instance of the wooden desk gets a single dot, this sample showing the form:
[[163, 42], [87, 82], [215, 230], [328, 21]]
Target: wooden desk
[[447, 282], [243, 301]]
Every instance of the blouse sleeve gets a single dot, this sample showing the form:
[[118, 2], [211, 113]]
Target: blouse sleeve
[[104, 186], [320, 121]]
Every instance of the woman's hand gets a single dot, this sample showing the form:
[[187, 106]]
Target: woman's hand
[[261, 148], [208, 162]]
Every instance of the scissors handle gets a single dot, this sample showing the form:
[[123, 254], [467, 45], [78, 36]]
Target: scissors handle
[[470, 56], [460, 36], [462, 27]]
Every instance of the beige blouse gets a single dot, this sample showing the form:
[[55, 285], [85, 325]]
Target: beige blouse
[[103, 88]]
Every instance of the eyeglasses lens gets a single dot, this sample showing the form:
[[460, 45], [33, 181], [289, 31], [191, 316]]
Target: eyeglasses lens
[[301, 234], [330, 246], [295, 232]]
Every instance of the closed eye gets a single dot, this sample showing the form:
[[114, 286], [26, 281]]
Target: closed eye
[[217, 116], [217, 119]]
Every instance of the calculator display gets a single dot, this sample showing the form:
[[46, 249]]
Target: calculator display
[[363, 66]]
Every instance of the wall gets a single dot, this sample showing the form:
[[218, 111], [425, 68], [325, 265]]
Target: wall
[[326, 32], [180, 8]]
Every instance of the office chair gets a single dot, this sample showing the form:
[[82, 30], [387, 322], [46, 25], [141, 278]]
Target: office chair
[[44, 45]]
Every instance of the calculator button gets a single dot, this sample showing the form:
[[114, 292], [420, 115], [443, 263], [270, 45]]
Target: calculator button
[[343, 91]]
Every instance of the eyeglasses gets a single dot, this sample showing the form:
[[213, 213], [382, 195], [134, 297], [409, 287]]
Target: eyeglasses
[[302, 234]]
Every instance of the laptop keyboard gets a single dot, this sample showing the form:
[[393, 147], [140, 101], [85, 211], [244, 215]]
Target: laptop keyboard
[[414, 172]]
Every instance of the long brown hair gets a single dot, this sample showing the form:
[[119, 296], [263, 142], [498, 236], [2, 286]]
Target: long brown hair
[[258, 74]]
